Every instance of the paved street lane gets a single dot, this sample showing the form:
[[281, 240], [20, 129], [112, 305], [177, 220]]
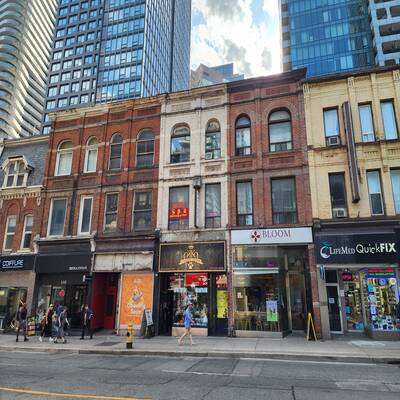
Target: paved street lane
[[27, 375]]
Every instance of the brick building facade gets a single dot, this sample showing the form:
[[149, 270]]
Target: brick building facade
[[99, 210], [21, 175], [273, 270]]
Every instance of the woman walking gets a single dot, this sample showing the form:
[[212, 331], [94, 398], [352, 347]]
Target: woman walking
[[188, 325], [47, 324], [62, 322]]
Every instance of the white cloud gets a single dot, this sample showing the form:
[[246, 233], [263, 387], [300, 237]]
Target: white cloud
[[227, 33], [271, 7]]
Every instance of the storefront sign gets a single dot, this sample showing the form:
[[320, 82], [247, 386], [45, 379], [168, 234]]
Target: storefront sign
[[137, 296], [381, 273], [272, 236], [17, 263], [62, 263], [186, 257], [196, 279], [179, 213], [379, 248]]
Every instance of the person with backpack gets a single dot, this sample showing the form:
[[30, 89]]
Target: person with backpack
[[62, 322], [22, 315], [47, 324], [86, 318]]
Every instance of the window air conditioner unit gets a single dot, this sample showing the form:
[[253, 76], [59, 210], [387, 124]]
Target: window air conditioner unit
[[339, 213], [333, 140], [209, 155]]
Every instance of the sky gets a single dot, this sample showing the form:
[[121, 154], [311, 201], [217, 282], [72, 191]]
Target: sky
[[245, 32]]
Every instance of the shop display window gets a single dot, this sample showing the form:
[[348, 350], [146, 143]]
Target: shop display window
[[353, 301], [382, 296], [9, 303], [190, 288], [258, 302]]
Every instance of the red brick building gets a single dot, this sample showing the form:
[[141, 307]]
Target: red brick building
[[99, 210], [21, 175], [270, 207]]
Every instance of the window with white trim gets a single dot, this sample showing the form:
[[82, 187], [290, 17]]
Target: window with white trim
[[16, 174], [58, 209], [27, 234], [85, 215], [10, 232], [375, 192], [142, 211], [91, 155], [64, 159]]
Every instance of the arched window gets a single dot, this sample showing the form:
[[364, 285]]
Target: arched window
[[145, 149], [91, 155], [115, 152], [243, 139], [180, 145], [64, 158], [213, 140], [280, 131]]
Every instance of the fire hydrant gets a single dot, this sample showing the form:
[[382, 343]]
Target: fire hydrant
[[129, 336]]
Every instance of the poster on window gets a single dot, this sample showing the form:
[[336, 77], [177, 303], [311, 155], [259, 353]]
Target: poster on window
[[272, 311], [178, 211], [137, 296]]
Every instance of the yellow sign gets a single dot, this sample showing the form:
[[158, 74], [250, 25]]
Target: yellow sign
[[190, 258], [222, 303], [311, 328]]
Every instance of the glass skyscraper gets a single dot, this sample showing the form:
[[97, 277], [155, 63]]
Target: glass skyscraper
[[326, 36], [107, 50]]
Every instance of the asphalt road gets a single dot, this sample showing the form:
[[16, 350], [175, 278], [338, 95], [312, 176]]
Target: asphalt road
[[46, 376]]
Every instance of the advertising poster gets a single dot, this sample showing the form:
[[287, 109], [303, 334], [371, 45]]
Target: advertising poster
[[137, 295], [222, 304], [272, 311]]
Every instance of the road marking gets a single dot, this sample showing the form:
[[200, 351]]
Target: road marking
[[202, 373], [312, 362], [73, 395]]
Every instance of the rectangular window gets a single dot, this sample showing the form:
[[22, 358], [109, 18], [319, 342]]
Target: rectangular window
[[27, 235], [375, 192], [85, 85], [85, 215], [73, 100], [366, 122], [52, 91], [244, 203], [67, 64], [53, 78], [284, 201], [178, 208], [10, 232], [389, 119], [331, 126], [395, 175], [213, 205], [142, 211], [66, 76], [337, 190], [64, 89], [111, 212], [57, 217], [76, 74]]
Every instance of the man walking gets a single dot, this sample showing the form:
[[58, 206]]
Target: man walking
[[22, 320], [62, 321], [86, 318]]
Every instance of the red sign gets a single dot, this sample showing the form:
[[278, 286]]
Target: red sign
[[221, 281], [179, 213], [347, 276], [196, 279]]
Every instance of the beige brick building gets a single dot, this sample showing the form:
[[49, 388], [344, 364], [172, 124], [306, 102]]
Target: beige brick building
[[354, 159]]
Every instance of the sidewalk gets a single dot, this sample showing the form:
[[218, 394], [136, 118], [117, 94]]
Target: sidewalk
[[292, 347]]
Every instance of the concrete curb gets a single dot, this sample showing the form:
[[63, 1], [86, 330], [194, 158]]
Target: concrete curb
[[213, 354]]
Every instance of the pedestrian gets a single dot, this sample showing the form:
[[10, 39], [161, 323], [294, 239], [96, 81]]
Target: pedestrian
[[86, 318], [47, 324], [188, 325], [62, 322], [59, 309], [22, 314]]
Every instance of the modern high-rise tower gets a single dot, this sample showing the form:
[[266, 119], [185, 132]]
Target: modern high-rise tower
[[26, 28], [108, 50], [326, 36]]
